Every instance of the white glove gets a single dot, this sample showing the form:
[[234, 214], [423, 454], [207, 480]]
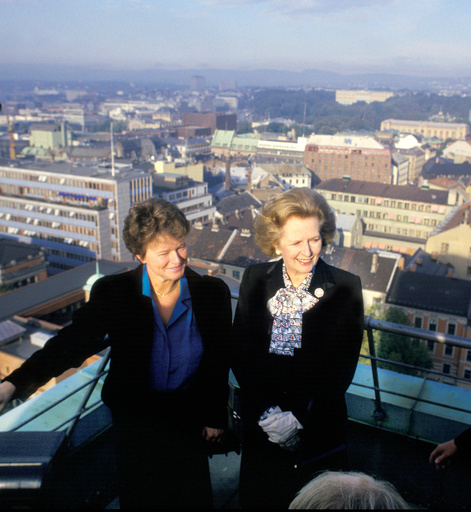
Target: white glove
[[280, 426]]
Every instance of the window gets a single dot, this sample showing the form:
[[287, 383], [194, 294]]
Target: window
[[468, 355], [451, 329], [444, 248], [467, 374], [448, 350], [418, 322], [236, 274], [432, 325], [446, 369], [431, 345]]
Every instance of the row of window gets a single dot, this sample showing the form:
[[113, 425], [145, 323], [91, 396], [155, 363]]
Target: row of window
[[388, 203], [56, 180]]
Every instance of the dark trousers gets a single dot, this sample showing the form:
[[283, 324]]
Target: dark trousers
[[161, 465], [270, 477]]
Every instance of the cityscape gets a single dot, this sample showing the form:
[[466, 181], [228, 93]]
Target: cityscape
[[218, 123]]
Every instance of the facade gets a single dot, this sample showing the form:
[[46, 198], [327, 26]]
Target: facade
[[360, 158], [192, 197], [444, 131], [452, 244], [214, 120], [351, 96], [416, 157], [288, 151], [50, 136], [447, 311], [396, 218], [75, 212], [400, 169], [290, 175]]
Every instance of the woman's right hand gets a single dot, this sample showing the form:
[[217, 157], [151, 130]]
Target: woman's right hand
[[6, 392]]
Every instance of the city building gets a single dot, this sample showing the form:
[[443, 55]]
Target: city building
[[452, 243], [359, 157], [213, 120], [351, 96], [76, 213], [192, 197], [49, 136], [197, 83], [440, 304], [396, 218], [416, 157], [444, 131], [290, 175], [400, 169]]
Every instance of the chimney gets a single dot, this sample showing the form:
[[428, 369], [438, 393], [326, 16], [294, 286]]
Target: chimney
[[227, 182], [433, 256], [249, 179], [374, 263]]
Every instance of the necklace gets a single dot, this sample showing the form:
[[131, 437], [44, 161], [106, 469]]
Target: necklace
[[165, 294]]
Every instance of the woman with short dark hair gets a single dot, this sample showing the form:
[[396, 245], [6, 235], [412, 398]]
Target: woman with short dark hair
[[167, 386]]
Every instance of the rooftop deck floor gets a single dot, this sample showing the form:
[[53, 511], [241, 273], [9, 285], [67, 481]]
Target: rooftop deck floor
[[86, 479]]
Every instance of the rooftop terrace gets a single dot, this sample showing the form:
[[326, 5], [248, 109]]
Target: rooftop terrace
[[56, 449]]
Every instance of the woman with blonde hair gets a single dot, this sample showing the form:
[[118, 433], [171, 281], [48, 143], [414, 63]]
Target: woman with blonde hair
[[298, 329]]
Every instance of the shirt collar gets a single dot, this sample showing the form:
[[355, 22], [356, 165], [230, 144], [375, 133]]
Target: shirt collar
[[146, 287]]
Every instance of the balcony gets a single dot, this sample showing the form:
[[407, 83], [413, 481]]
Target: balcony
[[56, 449]]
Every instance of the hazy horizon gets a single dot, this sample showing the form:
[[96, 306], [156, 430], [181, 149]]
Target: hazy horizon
[[421, 38]]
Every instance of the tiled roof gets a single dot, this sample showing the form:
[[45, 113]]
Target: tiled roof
[[360, 263], [229, 204], [431, 293], [367, 188]]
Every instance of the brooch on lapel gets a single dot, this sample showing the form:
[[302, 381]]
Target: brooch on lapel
[[318, 292]]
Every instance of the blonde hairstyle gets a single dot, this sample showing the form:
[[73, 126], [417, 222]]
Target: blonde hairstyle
[[348, 491], [150, 218], [298, 202]]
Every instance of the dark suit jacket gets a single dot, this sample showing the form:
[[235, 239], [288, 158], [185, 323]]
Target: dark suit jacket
[[118, 315], [313, 382]]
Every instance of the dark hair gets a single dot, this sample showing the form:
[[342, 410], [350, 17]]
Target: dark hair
[[150, 218], [300, 202]]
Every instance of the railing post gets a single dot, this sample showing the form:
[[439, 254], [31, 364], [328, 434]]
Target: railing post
[[379, 414], [88, 393]]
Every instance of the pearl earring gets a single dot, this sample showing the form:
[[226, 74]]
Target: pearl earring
[[277, 252]]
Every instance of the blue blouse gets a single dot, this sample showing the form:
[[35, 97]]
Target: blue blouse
[[177, 347]]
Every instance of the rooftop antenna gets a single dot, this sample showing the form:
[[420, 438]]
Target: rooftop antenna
[[112, 149]]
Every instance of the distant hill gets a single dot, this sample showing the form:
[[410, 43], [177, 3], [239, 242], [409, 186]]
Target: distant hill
[[244, 78]]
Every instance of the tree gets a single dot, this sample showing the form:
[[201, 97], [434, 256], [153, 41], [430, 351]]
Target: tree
[[401, 348]]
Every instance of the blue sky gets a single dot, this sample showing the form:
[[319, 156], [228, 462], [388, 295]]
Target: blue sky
[[397, 36]]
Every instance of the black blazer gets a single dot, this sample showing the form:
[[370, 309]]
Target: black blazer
[[313, 382], [118, 315]]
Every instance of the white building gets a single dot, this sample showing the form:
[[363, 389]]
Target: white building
[[75, 212]]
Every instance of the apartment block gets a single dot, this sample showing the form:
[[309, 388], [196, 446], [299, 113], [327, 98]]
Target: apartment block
[[455, 131], [439, 304], [360, 158], [76, 213], [396, 218]]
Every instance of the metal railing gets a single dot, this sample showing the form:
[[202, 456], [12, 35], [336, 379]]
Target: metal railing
[[370, 325]]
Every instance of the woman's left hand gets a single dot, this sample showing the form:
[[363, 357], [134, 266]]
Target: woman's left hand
[[213, 435]]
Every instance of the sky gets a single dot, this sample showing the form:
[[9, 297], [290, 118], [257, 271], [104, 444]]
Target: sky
[[418, 37]]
